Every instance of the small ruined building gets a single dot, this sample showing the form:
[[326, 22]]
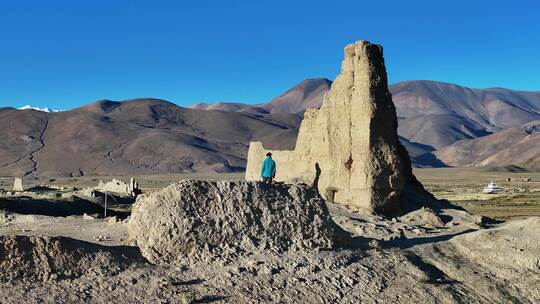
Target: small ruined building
[[18, 184], [119, 187], [349, 148]]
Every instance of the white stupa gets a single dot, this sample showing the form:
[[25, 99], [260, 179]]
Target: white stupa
[[492, 187]]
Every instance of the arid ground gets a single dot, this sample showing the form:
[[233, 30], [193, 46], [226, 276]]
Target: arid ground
[[461, 186], [444, 256]]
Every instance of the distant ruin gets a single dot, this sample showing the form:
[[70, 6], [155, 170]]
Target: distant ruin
[[119, 187], [18, 184], [349, 148]]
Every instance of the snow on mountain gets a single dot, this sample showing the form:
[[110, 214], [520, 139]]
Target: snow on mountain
[[45, 109]]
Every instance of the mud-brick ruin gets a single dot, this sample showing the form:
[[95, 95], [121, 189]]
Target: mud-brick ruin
[[349, 148]]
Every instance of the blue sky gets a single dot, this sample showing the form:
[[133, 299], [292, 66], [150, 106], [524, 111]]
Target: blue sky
[[63, 54]]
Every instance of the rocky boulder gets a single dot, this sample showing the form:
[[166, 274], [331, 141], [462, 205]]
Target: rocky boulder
[[202, 220]]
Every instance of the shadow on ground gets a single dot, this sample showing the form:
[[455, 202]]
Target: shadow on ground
[[52, 207], [404, 243]]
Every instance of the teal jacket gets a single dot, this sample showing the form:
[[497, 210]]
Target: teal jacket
[[268, 167]]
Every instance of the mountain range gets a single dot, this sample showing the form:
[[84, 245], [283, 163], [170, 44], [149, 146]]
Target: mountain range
[[134, 137], [307, 94], [435, 115], [440, 124]]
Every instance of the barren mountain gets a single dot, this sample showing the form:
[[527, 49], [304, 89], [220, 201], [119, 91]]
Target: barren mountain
[[220, 106], [516, 145], [155, 136], [134, 136], [439, 130], [306, 94], [438, 114]]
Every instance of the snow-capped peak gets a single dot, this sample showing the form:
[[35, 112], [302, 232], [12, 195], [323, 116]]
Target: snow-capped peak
[[45, 109]]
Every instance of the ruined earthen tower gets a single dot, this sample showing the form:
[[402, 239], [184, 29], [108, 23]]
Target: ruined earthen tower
[[349, 148]]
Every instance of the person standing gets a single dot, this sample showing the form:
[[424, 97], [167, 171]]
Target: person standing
[[268, 170]]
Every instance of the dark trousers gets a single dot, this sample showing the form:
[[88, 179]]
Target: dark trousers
[[267, 180]]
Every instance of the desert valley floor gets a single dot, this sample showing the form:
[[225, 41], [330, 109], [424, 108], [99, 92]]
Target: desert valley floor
[[461, 186]]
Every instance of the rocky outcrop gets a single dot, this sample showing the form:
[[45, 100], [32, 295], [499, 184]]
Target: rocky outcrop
[[200, 220], [349, 148]]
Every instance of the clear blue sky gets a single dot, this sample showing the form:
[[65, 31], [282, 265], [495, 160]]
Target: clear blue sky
[[63, 54]]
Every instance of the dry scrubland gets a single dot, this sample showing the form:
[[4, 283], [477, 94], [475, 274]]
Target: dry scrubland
[[463, 187]]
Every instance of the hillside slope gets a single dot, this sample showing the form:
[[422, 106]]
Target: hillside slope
[[304, 95], [439, 114], [134, 136], [307, 94], [512, 146]]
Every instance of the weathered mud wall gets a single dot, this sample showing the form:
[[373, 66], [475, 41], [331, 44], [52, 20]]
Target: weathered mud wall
[[349, 147]]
